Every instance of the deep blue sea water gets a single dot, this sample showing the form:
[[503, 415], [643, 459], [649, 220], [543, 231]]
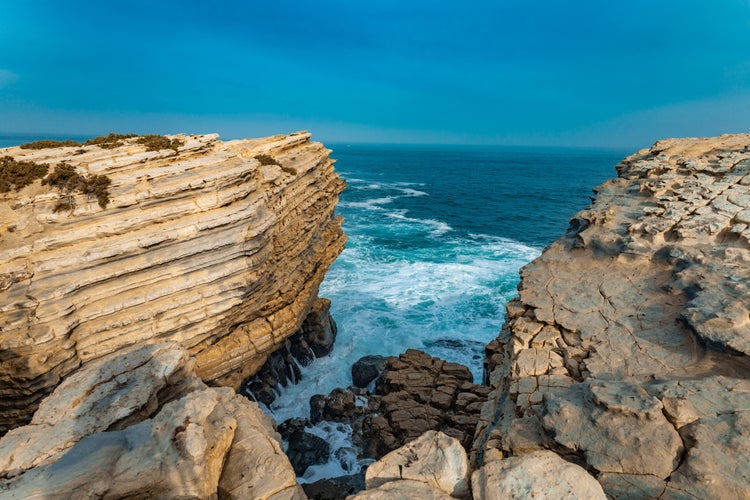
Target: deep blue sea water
[[437, 235]]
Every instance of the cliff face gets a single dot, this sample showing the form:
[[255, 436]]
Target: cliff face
[[627, 349], [206, 246]]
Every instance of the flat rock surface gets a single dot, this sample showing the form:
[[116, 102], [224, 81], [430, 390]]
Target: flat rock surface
[[206, 245], [628, 345]]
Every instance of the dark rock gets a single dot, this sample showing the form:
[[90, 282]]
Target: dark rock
[[319, 330], [306, 449], [317, 405], [314, 339], [335, 488], [367, 369]]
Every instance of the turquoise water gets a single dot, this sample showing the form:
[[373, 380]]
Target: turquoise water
[[437, 235]]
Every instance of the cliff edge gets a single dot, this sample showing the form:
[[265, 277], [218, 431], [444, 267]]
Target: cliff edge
[[218, 246], [628, 348]]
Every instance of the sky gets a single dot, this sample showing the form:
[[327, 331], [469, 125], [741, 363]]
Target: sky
[[573, 73]]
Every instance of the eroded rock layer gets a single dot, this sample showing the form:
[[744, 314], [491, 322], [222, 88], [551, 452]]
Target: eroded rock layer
[[627, 349], [207, 246]]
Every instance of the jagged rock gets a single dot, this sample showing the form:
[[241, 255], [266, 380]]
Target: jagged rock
[[201, 443], [627, 347], [306, 449], [314, 339], [366, 369], [206, 246], [542, 474], [433, 458], [403, 490], [416, 393], [419, 393]]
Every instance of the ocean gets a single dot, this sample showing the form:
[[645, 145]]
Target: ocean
[[437, 235]]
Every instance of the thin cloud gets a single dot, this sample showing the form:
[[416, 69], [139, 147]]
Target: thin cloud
[[7, 77]]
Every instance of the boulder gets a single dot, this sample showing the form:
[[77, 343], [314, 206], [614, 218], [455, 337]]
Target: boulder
[[403, 490], [434, 459], [367, 369], [541, 474], [139, 423]]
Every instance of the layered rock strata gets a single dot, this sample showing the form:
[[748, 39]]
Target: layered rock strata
[[314, 339], [140, 424], [627, 349], [212, 246]]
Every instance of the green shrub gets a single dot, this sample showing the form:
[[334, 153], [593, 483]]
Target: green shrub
[[110, 141], [155, 142], [47, 144], [67, 179], [15, 175]]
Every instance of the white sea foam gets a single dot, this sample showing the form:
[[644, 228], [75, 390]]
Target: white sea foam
[[438, 228], [404, 282], [413, 193], [387, 306], [343, 458], [373, 204]]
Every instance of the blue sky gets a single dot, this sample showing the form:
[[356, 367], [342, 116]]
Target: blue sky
[[579, 72]]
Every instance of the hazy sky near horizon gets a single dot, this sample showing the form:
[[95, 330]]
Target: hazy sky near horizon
[[580, 72]]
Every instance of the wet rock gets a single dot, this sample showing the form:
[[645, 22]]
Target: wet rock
[[306, 449], [367, 369], [314, 339], [419, 393], [335, 488]]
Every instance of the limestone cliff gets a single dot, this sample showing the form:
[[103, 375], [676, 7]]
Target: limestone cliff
[[627, 349], [219, 246]]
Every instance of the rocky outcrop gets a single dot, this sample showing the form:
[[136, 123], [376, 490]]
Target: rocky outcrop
[[219, 246], [436, 466], [415, 393], [627, 349], [314, 339], [140, 423]]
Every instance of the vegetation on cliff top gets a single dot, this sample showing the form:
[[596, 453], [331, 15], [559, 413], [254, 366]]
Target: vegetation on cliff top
[[15, 175], [66, 179], [153, 142], [48, 144]]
